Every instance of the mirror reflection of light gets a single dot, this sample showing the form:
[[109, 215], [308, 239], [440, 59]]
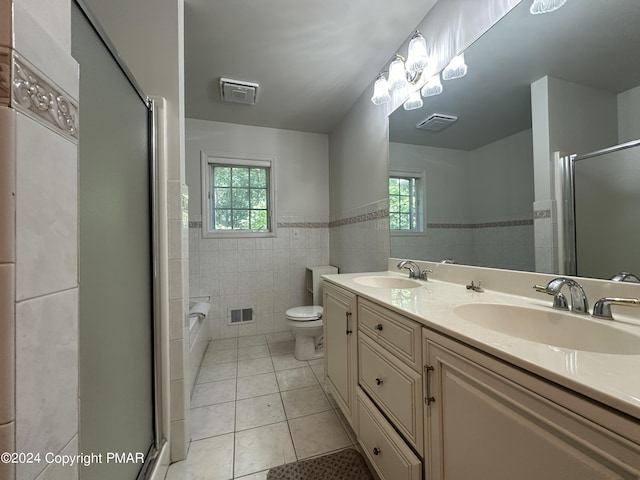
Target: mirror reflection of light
[[433, 87], [545, 6], [456, 68], [414, 101]]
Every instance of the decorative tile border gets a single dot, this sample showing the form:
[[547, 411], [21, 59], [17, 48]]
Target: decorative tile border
[[507, 223], [303, 224], [365, 217], [541, 214], [5, 76], [33, 94], [198, 224]]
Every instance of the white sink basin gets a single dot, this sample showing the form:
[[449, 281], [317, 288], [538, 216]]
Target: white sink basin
[[551, 327], [381, 281]]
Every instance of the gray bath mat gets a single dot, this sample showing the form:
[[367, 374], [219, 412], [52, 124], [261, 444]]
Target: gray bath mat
[[343, 465]]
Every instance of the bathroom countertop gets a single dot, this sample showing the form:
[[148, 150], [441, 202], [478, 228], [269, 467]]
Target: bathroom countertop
[[612, 379]]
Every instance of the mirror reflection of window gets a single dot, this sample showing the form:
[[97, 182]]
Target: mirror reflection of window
[[405, 202]]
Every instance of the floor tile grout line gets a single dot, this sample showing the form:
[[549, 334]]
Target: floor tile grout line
[[318, 383]]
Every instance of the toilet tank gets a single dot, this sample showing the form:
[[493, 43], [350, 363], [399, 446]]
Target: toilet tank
[[313, 283]]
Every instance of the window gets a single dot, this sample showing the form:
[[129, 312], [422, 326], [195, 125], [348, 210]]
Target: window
[[238, 196], [405, 202]]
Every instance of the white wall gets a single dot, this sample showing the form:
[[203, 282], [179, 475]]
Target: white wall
[[358, 159], [500, 179], [302, 174], [266, 274], [629, 115]]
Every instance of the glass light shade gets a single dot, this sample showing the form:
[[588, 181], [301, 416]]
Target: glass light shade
[[414, 101], [545, 6], [397, 74], [380, 91], [433, 87], [456, 68], [417, 58]]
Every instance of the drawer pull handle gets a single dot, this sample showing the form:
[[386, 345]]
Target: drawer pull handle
[[378, 327], [378, 381], [428, 398], [347, 315], [376, 451]]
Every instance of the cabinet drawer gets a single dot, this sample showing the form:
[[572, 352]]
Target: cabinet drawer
[[394, 332], [396, 388], [389, 455]]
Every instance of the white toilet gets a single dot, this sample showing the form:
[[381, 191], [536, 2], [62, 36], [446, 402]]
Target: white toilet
[[306, 326], [306, 322]]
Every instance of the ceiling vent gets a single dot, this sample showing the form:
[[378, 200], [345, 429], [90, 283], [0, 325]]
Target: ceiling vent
[[436, 122], [238, 91]]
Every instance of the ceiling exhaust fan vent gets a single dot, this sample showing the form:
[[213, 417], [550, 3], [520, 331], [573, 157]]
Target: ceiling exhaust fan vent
[[436, 122], [238, 91]]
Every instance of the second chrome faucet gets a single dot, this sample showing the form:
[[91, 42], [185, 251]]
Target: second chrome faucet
[[579, 303]]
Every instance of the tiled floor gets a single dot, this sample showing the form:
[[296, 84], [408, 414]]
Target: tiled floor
[[255, 407]]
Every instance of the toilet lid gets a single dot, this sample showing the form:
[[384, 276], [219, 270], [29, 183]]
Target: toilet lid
[[303, 314]]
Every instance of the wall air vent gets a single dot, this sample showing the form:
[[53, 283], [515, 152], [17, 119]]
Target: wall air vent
[[240, 315], [436, 122], [238, 91]]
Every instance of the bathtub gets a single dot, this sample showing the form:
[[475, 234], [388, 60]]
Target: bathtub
[[198, 339]]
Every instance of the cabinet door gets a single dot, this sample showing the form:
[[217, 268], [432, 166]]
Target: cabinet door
[[340, 329], [482, 425]]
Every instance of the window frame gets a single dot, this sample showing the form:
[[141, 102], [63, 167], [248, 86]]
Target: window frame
[[207, 160], [420, 201]]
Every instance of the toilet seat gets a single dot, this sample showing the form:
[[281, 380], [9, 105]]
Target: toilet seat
[[304, 314]]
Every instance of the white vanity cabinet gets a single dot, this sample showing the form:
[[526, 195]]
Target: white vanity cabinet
[[340, 354], [488, 420], [427, 406]]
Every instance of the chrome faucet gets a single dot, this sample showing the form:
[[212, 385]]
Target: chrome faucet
[[625, 277], [579, 302], [414, 270]]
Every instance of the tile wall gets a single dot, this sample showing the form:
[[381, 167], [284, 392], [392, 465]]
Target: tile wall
[[266, 274], [508, 244], [360, 238], [38, 244]]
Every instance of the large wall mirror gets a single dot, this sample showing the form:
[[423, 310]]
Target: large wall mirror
[[480, 191]]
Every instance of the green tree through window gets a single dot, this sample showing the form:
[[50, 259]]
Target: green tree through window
[[403, 203], [239, 198]]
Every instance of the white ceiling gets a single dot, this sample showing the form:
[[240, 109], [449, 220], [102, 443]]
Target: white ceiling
[[311, 58]]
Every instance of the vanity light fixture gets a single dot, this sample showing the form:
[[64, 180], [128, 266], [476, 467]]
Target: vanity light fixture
[[380, 90], [397, 73], [433, 87], [456, 68], [545, 6], [403, 72], [417, 58]]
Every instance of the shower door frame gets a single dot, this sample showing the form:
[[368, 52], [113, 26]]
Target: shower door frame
[[567, 182], [154, 181]]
